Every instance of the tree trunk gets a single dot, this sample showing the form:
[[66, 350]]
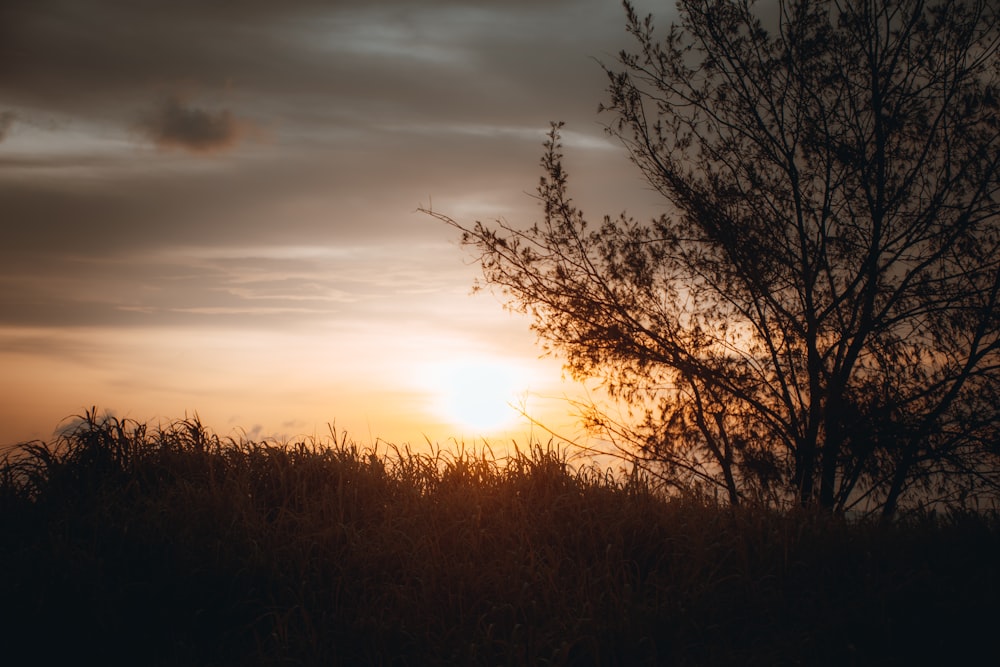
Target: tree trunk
[[828, 476], [805, 463], [898, 485], [832, 445]]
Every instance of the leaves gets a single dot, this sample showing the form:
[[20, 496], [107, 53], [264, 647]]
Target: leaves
[[817, 315]]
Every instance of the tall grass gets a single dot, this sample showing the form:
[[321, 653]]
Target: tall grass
[[121, 544]]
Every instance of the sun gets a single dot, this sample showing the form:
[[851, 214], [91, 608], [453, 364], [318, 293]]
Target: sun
[[480, 395]]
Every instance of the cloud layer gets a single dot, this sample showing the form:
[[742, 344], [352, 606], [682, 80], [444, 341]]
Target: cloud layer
[[370, 109], [6, 122]]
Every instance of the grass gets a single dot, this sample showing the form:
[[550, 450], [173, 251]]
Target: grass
[[121, 544]]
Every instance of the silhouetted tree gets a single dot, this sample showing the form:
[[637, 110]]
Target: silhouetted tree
[[816, 319]]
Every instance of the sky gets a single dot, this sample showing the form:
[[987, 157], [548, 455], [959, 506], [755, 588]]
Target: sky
[[211, 208]]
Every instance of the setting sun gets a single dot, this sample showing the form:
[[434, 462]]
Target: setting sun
[[479, 394]]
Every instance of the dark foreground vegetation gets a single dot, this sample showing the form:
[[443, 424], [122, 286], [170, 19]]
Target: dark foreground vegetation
[[126, 545]]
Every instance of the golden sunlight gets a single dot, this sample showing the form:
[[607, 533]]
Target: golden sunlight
[[481, 394]]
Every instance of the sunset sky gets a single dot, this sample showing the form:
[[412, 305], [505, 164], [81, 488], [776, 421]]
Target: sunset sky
[[211, 207]]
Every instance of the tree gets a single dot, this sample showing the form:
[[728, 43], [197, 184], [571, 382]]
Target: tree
[[816, 319]]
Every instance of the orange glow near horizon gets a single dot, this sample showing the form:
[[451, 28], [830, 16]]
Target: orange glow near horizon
[[284, 387]]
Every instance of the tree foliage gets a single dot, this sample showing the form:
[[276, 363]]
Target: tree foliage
[[816, 319]]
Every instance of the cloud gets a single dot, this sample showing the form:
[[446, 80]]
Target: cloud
[[6, 122], [176, 125]]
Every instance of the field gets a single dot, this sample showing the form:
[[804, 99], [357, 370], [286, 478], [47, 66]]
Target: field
[[121, 544]]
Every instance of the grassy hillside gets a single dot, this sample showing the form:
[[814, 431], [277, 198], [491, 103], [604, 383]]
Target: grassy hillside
[[122, 545]]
